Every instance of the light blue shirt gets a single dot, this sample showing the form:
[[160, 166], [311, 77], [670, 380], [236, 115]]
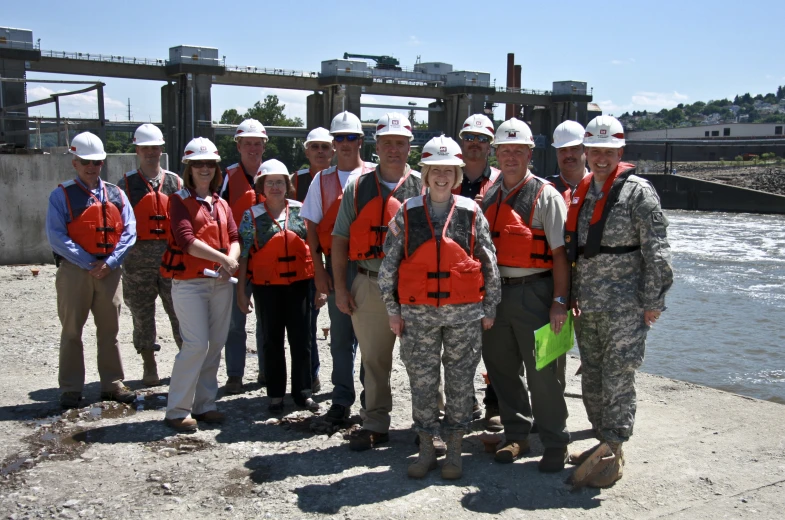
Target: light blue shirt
[[58, 217]]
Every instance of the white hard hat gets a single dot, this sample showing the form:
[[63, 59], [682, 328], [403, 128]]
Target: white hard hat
[[604, 132], [88, 146], [569, 133], [346, 123], [442, 150], [478, 124], [250, 128], [394, 123], [318, 135], [200, 149], [514, 131], [148, 135], [271, 167]]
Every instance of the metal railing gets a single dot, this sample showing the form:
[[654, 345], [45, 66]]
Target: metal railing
[[16, 44], [274, 71], [525, 91], [109, 58]]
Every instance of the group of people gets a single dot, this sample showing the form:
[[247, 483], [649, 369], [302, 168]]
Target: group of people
[[460, 261]]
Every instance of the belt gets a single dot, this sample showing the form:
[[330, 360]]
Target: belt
[[521, 280], [372, 274], [606, 250]]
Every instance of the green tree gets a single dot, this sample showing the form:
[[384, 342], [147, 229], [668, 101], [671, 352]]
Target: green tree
[[119, 142]]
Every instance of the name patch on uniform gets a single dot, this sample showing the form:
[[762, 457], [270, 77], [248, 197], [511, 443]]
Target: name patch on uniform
[[392, 226]]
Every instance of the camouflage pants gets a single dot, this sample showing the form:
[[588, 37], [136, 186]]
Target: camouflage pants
[[612, 346], [421, 353], [141, 286]]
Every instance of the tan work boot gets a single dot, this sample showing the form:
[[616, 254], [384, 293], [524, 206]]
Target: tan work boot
[[609, 469], [511, 450], [579, 457], [452, 469], [150, 376], [426, 460]]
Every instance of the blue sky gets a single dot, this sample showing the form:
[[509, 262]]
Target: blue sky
[[635, 55]]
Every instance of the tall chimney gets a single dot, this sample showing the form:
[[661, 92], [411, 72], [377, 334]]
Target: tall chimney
[[509, 110], [517, 85]]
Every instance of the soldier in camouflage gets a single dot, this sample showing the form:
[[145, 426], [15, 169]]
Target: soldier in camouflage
[[438, 257], [148, 189], [621, 269]]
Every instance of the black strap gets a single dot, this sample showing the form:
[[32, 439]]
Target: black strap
[[619, 250], [379, 229], [157, 217], [596, 230], [438, 295], [157, 231], [108, 229], [440, 274], [290, 274], [287, 258]]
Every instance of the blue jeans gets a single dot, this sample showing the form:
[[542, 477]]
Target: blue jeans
[[315, 364], [343, 344], [235, 341]]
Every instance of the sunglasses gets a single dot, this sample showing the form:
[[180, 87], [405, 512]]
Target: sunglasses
[[472, 137], [203, 164], [350, 137], [85, 162]]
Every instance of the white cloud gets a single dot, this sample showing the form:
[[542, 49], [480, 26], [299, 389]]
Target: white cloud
[[650, 101], [84, 105], [627, 61], [414, 41]]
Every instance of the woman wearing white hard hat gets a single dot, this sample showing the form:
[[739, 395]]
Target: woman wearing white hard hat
[[201, 258], [276, 258], [440, 285]]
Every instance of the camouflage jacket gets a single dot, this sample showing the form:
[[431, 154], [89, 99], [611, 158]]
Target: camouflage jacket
[[452, 314], [630, 281]]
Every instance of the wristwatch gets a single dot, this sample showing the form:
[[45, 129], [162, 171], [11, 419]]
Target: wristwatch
[[560, 299]]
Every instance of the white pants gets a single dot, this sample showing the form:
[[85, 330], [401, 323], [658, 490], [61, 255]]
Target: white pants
[[203, 308]]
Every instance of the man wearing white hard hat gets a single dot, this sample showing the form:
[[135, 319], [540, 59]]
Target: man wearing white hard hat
[[148, 189], [526, 216], [91, 227], [621, 269], [320, 209], [238, 190], [476, 138], [570, 156], [370, 201], [319, 152]]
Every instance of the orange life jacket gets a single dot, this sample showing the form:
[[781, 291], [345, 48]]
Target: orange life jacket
[[332, 194], [242, 194], [439, 269], [94, 225], [369, 229], [279, 255], [151, 206], [517, 244], [213, 231], [485, 183]]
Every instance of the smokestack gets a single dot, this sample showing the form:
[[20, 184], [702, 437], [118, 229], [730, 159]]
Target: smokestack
[[509, 110], [517, 85]]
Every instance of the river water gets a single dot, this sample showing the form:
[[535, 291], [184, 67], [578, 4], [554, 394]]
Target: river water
[[725, 322]]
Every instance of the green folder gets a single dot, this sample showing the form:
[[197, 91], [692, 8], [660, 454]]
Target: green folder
[[549, 346]]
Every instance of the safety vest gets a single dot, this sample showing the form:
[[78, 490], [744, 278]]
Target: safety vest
[[517, 243], [301, 179], [332, 194], [610, 196], [280, 254], [485, 182], [369, 229], [439, 268], [151, 206], [213, 231], [242, 194], [94, 225]]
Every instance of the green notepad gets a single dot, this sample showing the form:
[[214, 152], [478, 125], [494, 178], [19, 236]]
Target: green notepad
[[549, 346]]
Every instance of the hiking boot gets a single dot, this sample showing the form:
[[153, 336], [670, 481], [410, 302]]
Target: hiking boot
[[438, 444], [452, 469], [337, 413], [609, 469], [69, 400], [553, 460], [493, 422], [234, 385], [150, 375], [579, 457], [512, 450], [426, 460], [316, 386], [121, 395], [476, 411], [362, 439], [184, 424], [311, 405], [210, 417]]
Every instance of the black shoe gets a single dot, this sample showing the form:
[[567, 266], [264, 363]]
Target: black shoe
[[316, 386], [553, 460], [311, 405], [69, 400], [337, 413], [275, 408], [363, 439], [261, 379], [121, 395]]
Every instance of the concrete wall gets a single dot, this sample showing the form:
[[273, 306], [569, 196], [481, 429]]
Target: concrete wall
[[699, 132], [678, 192], [643, 151], [25, 184]]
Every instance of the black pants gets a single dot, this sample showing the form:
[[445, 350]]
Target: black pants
[[279, 308]]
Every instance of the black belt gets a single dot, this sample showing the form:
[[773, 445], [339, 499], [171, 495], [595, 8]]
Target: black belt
[[606, 250], [372, 274], [521, 280]]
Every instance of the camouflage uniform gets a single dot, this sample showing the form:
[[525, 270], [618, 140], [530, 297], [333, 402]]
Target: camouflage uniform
[[613, 290], [455, 326]]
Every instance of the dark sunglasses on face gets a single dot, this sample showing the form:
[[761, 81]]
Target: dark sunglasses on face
[[85, 162], [202, 164], [350, 137], [481, 138]]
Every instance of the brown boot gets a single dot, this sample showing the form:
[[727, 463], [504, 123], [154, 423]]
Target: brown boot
[[493, 422], [452, 469], [426, 460], [579, 457], [609, 470], [150, 375]]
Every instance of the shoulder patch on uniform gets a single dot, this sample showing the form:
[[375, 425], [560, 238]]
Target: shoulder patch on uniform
[[258, 210], [392, 226]]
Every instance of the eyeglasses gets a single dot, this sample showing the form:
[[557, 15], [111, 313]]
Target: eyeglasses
[[203, 164], [320, 146], [349, 137], [275, 184], [472, 137], [85, 162]]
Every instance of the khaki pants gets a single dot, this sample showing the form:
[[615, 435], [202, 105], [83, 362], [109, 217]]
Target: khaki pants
[[372, 328], [78, 294], [203, 307]]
